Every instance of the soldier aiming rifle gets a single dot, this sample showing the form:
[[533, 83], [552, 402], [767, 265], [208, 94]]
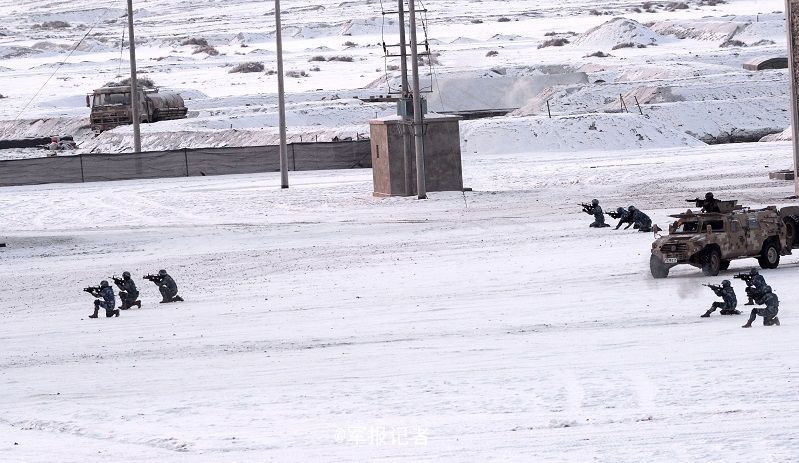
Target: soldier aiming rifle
[[709, 204], [755, 284], [728, 303], [166, 285], [595, 210], [769, 314], [108, 302], [128, 293]]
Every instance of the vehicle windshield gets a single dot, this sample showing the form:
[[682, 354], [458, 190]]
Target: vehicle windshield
[[686, 226], [111, 99], [693, 226]]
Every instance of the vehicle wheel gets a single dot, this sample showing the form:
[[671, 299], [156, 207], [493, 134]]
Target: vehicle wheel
[[770, 255], [711, 262], [658, 268], [725, 264], [790, 231]]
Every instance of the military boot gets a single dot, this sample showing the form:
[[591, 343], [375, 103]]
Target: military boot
[[138, 304], [125, 305], [750, 302], [116, 313], [707, 314], [94, 315], [776, 321], [177, 299], [748, 325]]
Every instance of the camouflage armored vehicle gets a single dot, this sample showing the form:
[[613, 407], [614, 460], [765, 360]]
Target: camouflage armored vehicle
[[111, 107], [710, 241]]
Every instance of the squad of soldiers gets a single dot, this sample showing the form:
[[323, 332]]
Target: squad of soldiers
[[631, 216], [129, 294], [757, 291]]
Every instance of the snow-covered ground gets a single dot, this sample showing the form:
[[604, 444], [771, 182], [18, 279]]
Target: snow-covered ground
[[323, 324]]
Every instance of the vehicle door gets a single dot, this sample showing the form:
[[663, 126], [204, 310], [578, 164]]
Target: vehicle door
[[752, 236], [737, 239]]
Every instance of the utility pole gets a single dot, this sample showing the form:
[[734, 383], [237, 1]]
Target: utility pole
[[281, 101], [792, 27], [418, 128], [134, 84], [406, 96]]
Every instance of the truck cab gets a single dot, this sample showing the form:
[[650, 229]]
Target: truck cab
[[111, 108]]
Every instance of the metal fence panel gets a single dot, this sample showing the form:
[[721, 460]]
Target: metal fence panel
[[221, 161], [153, 164], [66, 169], [341, 155], [183, 163]]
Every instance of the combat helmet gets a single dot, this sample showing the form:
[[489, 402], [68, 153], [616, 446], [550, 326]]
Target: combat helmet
[[725, 283], [103, 283], [708, 195], [631, 208], [594, 202], [754, 272], [162, 272], [126, 274]]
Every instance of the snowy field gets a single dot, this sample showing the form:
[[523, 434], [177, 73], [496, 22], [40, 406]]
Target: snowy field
[[323, 324]]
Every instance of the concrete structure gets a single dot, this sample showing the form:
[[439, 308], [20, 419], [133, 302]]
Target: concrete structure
[[767, 62], [394, 175]]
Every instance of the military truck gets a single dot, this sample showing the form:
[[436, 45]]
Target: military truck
[[111, 107], [710, 241]]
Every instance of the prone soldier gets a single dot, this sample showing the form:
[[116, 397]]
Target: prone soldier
[[595, 210], [128, 293], [728, 303], [108, 302], [709, 204], [167, 286], [769, 314]]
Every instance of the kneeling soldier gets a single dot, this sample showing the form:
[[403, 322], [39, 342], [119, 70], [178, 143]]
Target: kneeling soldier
[[108, 303], [166, 285], [727, 293], [128, 293], [769, 314]]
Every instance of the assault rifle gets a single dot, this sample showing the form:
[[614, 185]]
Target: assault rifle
[[154, 278], [715, 288], [614, 214], [745, 277], [92, 290], [587, 208], [118, 281]]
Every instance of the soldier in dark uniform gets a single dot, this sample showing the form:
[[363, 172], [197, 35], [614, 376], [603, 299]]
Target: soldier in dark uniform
[[727, 306], [108, 303], [769, 314], [596, 211], [709, 204], [754, 286], [168, 288], [128, 293], [624, 217], [641, 221]]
